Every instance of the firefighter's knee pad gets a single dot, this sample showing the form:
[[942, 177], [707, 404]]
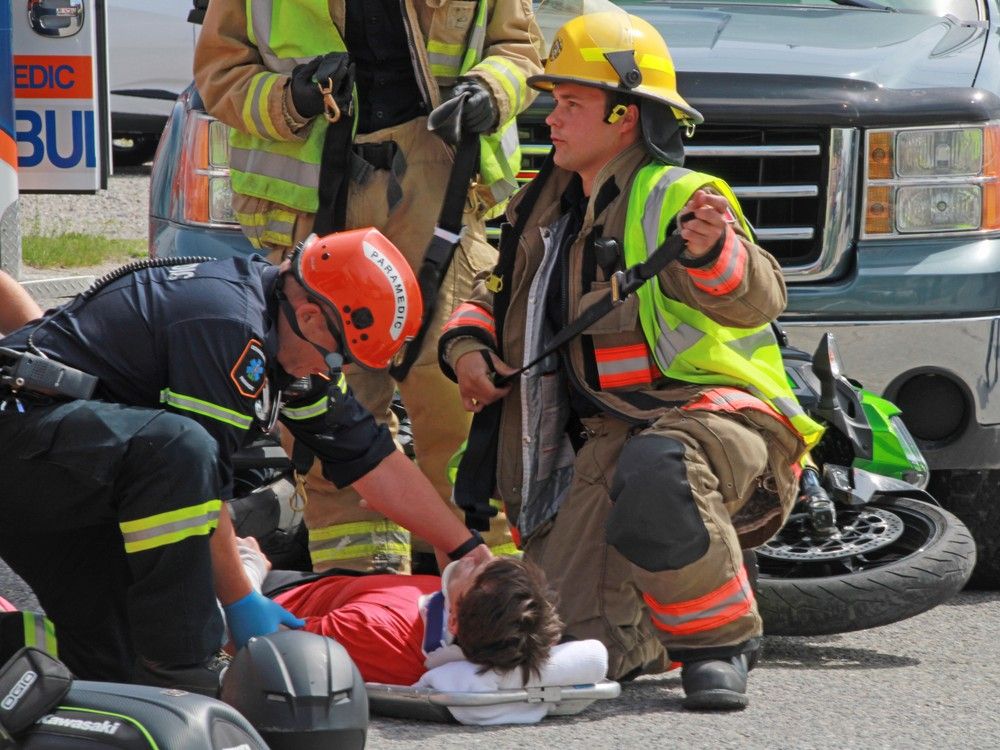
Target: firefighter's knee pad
[[655, 522]]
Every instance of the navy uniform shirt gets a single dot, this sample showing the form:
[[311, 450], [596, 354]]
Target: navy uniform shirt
[[201, 340]]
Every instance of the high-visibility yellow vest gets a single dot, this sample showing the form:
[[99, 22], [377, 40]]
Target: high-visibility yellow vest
[[686, 344], [287, 172]]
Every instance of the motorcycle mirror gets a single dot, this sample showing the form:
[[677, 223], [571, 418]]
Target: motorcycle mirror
[[826, 365]]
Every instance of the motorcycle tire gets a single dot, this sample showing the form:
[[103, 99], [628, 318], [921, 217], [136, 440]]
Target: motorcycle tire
[[974, 496], [929, 561]]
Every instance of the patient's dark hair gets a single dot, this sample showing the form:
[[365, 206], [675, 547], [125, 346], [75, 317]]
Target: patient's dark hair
[[506, 619]]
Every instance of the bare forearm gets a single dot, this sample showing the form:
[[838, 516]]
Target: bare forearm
[[16, 305], [231, 582], [397, 489]]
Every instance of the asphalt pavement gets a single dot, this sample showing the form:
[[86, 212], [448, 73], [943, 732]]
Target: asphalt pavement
[[928, 682]]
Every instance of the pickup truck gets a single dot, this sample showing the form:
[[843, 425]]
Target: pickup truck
[[863, 140]]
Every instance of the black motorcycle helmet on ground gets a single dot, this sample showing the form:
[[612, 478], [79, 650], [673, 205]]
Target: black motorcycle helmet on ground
[[300, 691]]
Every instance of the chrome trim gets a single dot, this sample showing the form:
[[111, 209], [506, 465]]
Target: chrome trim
[[754, 152], [838, 223], [776, 191], [785, 233]]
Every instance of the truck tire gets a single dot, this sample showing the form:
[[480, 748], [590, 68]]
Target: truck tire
[[929, 562], [974, 496]]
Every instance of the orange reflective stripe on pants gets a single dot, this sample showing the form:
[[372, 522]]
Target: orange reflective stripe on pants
[[729, 602]]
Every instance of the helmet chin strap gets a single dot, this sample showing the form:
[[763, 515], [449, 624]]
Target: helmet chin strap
[[333, 360]]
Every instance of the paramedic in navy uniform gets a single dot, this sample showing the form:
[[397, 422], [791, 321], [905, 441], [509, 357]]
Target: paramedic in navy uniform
[[112, 505]]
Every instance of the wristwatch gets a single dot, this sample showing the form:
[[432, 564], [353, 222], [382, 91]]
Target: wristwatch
[[466, 547]]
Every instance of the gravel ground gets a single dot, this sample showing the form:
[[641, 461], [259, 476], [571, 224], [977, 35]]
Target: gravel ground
[[119, 212]]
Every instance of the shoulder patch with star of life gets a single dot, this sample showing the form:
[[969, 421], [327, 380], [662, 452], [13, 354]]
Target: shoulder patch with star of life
[[250, 371]]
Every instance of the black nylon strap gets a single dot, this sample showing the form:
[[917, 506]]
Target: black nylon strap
[[477, 469], [335, 169], [441, 248], [627, 283]]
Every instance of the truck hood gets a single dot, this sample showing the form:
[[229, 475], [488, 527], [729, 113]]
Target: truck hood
[[892, 50]]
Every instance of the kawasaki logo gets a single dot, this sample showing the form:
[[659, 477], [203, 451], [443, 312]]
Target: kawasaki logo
[[18, 690], [101, 727]]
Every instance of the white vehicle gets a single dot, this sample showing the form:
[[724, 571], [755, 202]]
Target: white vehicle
[[150, 58]]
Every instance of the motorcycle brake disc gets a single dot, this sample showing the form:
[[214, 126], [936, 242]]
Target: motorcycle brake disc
[[860, 531]]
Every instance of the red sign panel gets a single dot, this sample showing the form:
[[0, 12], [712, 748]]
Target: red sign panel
[[53, 77]]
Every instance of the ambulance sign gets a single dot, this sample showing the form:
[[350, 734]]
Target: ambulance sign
[[60, 111]]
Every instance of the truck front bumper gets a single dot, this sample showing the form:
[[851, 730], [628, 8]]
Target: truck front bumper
[[943, 373]]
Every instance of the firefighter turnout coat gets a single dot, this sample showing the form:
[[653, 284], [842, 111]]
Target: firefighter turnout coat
[[669, 479]]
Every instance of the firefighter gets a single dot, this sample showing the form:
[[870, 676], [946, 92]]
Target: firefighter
[[257, 71], [637, 458], [113, 512]]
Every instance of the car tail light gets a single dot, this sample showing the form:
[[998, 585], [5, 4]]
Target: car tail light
[[932, 180], [202, 193]]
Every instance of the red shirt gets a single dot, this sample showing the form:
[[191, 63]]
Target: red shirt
[[375, 617]]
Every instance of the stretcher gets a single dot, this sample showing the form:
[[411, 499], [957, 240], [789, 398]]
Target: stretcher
[[570, 680], [428, 704]]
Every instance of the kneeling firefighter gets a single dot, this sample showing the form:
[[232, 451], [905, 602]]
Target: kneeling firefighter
[[655, 435]]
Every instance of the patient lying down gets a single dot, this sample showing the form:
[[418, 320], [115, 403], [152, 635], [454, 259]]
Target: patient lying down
[[493, 613]]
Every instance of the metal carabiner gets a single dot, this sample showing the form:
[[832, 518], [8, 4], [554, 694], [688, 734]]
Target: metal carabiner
[[330, 107]]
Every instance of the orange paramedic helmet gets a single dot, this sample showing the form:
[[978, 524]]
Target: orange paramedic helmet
[[365, 284], [618, 52]]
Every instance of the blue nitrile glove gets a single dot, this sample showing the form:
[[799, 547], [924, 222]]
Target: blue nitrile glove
[[255, 614]]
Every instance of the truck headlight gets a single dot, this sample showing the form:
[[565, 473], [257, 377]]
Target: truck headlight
[[932, 180]]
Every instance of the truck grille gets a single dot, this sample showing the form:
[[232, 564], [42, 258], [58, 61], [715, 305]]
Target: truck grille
[[781, 177]]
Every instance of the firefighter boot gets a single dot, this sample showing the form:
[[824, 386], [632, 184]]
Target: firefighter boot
[[204, 678], [716, 684]]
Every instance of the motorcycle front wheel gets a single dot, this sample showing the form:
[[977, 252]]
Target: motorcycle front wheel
[[891, 559]]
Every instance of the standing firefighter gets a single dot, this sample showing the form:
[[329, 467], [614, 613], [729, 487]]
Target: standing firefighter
[[638, 458], [363, 156]]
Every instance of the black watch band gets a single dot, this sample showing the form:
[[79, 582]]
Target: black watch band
[[466, 547]]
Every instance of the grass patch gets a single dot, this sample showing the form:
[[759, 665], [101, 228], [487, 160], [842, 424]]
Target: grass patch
[[76, 250]]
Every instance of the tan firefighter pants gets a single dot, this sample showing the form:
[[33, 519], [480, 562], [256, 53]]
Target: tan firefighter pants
[[634, 612], [341, 534]]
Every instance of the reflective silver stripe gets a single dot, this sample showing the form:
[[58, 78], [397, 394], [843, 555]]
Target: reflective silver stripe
[[206, 409], [619, 366], [444, 63], [256, 94], [790, 407], [260, 13], [477, 39], [509, 142], [669, 343], [745, 594], [307, 412], [464, 317], [723, 277], [358, 541], [169, 532], [517, 84], [273, 165], [446, 235], [654, 206], [747, 345]]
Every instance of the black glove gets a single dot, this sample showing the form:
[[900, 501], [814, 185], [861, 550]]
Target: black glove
[[334, 67], [479, 112]]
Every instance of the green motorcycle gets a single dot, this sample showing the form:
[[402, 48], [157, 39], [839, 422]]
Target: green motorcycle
[[865, 545]]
